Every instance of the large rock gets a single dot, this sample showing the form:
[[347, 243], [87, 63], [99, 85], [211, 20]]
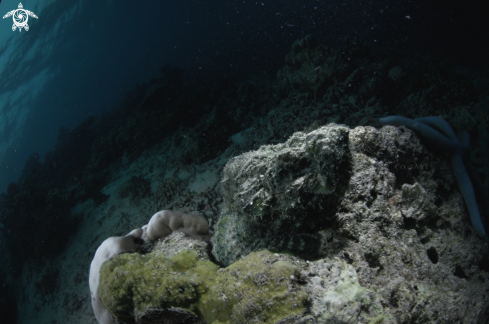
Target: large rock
[[379, 213], [277, 197]]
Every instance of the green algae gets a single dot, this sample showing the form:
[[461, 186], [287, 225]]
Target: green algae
[[260, 287], [132, 283], [257, 288]]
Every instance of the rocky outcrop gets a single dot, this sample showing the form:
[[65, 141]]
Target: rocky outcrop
[[380, 215], [337, 225]]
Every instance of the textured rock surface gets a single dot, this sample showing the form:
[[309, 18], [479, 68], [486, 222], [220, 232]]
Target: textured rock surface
[[260, 288], [130, 284], [395, 243], [186, 288], [276, 196]]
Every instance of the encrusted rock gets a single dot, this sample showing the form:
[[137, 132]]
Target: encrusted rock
[[154, 288], [279, 196], [388, 231]]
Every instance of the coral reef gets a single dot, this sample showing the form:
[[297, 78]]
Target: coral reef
[[371, 219]]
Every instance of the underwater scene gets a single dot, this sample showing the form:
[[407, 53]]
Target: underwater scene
[[240, 162]]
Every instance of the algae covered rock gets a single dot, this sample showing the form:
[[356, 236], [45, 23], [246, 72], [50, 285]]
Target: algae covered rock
[[130, 284], [262, 287]]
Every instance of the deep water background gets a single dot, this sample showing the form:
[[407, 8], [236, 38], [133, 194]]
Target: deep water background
[[80, 57]]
